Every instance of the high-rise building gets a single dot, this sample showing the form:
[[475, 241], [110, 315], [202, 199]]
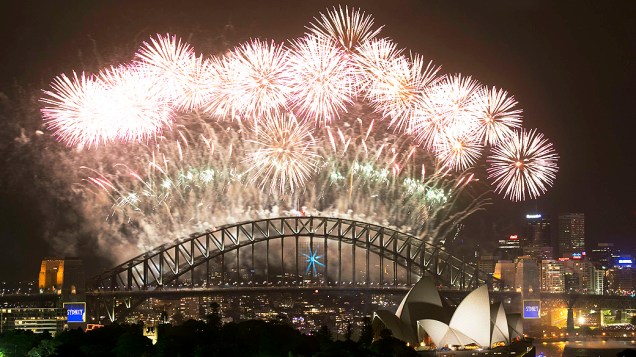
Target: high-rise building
[[597, 281], [509, 248], [537, 241], [571, 234], [604, 255], [577, 275], [552, 276], [527, 280]]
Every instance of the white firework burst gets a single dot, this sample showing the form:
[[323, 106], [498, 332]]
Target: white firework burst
[[397, 89], [170, 60], [348, 27], [323, 79], [496, 114], [446, 107], [254, 81], [458, 151], [284, 155], [524, 164], [72, 110]]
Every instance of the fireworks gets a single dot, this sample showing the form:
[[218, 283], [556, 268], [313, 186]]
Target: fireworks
[[397, 88], [255, 81], [120, 104], [323, 79], [349, 28], [496, 114], [284, 154], [338, 121], [525, 164]]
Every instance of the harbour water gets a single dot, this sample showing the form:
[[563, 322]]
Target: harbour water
[[582, 348]]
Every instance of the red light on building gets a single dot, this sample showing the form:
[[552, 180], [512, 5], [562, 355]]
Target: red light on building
[[514, 237], [564, 259]]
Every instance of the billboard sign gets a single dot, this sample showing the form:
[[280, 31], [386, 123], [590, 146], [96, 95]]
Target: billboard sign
[[75, 311], [531, 309]]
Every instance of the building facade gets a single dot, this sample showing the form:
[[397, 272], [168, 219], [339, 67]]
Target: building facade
[[538, 240], [571, 235], [552, 276], [37, 320]]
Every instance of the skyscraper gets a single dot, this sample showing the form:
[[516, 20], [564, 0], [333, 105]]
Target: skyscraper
[[537, 241], [571, 234]]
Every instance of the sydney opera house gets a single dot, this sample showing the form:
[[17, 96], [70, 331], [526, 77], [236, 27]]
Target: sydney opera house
[[423, 318]]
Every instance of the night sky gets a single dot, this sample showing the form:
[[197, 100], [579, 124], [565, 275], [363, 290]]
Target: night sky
[[569, 65]]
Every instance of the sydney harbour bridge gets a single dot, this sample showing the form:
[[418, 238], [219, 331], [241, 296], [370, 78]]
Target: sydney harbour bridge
[[296, 254], [280, 254]]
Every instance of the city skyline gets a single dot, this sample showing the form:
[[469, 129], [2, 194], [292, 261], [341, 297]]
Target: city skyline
[[544, 59]]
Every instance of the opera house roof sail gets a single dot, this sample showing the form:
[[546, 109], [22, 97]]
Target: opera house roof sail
[[423, 315]]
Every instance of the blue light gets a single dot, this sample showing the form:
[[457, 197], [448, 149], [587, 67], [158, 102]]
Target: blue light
[[312, 261]]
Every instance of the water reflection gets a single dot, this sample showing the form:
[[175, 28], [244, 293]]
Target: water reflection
[[582, 348]]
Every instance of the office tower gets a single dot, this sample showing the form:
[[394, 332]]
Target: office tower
[[537, 241], [571, 234], [552, 276], [597, 281], [604, 255], [527, 277], [509, 248], [577, 275]]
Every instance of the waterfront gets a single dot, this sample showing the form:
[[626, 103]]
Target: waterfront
[[582, 348]]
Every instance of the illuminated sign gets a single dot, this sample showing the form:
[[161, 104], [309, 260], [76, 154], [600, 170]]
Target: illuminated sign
[[533, 216], [531, 309], [75, 311], [577, 256], [564, 259], [514, 237], [624, 261]]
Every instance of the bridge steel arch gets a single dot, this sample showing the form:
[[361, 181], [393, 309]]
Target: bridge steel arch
[[165, 264], [161, 268]]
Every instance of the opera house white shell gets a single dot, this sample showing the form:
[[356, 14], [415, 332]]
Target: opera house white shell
[[474, 322]]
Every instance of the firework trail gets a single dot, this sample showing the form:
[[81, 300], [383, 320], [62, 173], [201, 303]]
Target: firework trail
[[338, 121]]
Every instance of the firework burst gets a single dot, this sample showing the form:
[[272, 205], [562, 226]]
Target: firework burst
[[134, 105], [255, 81], [396, 90], [170, 61], [446, 110], [525, 164], [72, 110], [285, 154], [497, 116], [459, 152], [323, 79], [348, 28]]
